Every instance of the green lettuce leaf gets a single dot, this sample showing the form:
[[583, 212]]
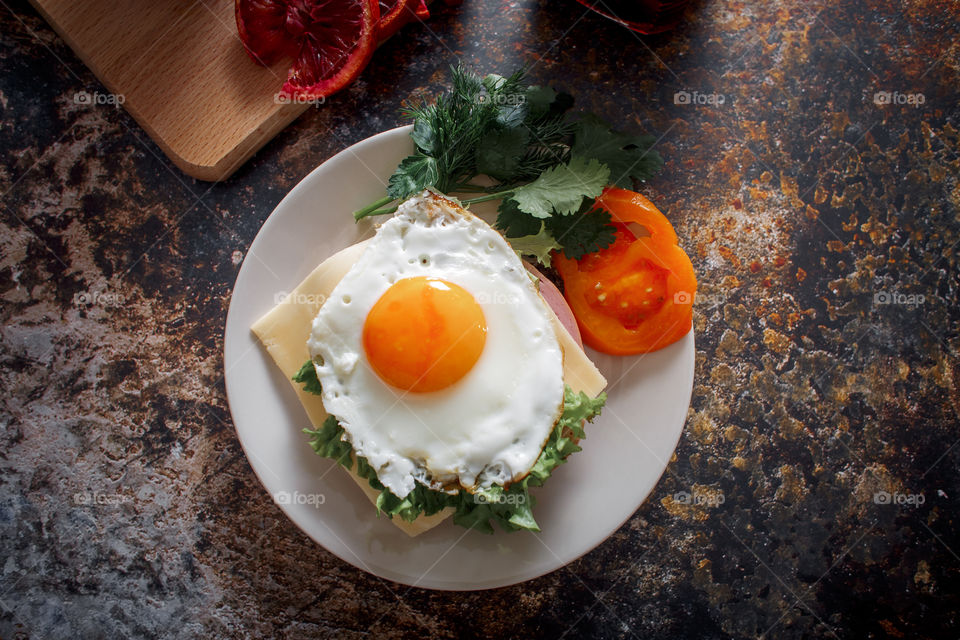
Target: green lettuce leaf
[[307, 376], [511, 508], [326, 441]]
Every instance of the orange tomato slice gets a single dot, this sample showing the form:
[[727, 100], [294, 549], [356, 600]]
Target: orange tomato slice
[[636, 295]]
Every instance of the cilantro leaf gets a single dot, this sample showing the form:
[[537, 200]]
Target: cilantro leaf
[[585, 232], [562, 188], [626, 155], [307, 375], [513, 222], [424, 137], [511, 105], [582, 233], [538, 245], [415, 173], [500, 152], [539, 99]]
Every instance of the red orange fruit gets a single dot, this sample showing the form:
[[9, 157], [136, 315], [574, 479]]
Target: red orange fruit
[[330, 41]]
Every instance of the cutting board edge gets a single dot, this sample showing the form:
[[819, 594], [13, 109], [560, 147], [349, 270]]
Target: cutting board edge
[[226, 164]]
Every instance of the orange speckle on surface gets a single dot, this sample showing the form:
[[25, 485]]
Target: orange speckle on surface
[[755, 266], [730, 282], [729, 255], [793, 319], [779, 261], [891, 629], [851, 222], [801, 275], [424, 334], [776, 341], [838, 122]]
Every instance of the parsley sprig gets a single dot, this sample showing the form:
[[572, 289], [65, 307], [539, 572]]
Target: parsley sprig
[[548, 165]]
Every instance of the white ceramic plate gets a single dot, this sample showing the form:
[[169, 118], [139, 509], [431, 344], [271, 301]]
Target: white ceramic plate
[[626, 450]]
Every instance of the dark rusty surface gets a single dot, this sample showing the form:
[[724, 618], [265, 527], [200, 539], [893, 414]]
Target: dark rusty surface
[[823, 227]]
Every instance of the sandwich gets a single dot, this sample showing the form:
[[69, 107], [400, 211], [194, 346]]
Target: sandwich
[[440, 370]]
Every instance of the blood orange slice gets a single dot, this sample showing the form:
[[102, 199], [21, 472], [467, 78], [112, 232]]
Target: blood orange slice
[[331, 41], [261, 26]]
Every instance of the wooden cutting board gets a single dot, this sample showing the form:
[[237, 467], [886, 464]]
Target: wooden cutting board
[[183, 74]]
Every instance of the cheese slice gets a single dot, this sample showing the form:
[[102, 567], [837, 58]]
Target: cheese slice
[[285, 328]]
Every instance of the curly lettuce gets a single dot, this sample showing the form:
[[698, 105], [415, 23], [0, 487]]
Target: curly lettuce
[[511, 508]]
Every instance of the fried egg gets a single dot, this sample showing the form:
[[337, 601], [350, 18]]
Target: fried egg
[[437, 354]]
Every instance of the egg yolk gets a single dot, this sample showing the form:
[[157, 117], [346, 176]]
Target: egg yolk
[[424, 334]]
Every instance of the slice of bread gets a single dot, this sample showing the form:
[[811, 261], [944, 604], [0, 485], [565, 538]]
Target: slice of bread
[[285, 328]]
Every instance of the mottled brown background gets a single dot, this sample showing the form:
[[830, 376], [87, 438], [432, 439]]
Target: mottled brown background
[[801, 201]]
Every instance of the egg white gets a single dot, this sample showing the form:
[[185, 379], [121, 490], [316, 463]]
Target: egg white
[[490, 426]]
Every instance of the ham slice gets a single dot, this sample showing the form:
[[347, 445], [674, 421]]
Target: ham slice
[[555, 299]]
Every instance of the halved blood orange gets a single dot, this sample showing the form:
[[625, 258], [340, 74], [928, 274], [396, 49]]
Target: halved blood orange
[[331, 41]]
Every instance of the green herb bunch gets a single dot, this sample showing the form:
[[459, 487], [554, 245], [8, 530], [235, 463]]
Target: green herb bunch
[[547, 164]]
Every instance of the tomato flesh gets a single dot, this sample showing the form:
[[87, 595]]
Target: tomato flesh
[[636, 295]]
